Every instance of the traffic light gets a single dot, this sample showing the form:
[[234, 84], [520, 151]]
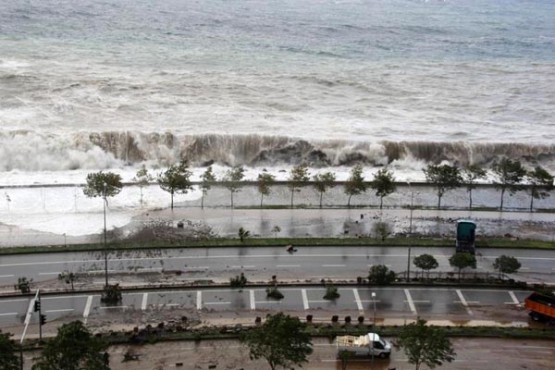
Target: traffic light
[[42, 319], [37, 306]]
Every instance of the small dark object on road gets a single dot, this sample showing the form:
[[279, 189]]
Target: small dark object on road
[[290, 248]]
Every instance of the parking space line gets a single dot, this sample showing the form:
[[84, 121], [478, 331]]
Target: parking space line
[[145, 300], [209, 303], [109, 307], [410, 302], [253, 303], [357, 300], [8, 314], [49, 273], [464, 302], [199, 300], [514, 298], [30, 311], [333, 265], [305, 299], [61, 310], [87, 308]]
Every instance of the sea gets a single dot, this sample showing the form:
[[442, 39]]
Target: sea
[[114, 85]]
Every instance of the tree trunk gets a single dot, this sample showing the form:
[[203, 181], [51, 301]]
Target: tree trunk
[[381, 202], [292, 192], [502, 194], [232, 199], [470, 197], [261, 200], [321, 194], [171, 192], [202, 201], [439, 201], [532, 201], [349, 202]]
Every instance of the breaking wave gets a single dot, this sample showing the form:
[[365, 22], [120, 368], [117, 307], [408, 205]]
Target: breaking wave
[[31, 151]]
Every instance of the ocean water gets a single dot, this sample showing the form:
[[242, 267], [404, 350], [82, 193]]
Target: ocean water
[[114, 84]]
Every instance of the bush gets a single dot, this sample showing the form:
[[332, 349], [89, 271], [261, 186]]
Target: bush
[[274, 293], [380, 275], [238, 281], [331, 293], [111, 294]]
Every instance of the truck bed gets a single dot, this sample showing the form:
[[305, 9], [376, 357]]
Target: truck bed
[[541, 304], [352, 341]]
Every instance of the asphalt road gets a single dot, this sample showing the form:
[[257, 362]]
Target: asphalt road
[[259, 263], [389, 303]]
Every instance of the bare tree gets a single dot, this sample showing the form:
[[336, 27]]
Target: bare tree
[[510, 175], [355, 184], [264, 183], [470, 174], [232, 180], [207, 179], [323, 182], [298, 178]]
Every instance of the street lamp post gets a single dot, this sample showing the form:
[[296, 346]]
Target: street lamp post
[[105, 244], [374, 324]]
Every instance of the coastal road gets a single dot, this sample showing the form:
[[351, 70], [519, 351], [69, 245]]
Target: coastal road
[[258, 263], [459, 304]]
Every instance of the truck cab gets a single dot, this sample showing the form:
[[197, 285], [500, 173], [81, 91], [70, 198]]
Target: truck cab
[[466, 237]]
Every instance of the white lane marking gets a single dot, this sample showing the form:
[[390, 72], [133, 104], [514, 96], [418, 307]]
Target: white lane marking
[[110, 307], [243, 266], [199, 300], [49, 273], [63, 297], [305, 299], [14, 300], [357, 300], [61, 310], [333, 265], [6, 276], [87, 308], [8, 314], [145, 300], [208, 303], [514, 298], [284, 266], [464, 302], [410, 301], [253, 303]]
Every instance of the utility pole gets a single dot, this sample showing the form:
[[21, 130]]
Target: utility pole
[[374, 324], [105, 244], [408, 267]]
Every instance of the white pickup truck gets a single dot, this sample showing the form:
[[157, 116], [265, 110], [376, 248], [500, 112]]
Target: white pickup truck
[[365, 345]]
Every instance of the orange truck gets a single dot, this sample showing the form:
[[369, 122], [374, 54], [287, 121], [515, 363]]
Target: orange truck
[[541, 307]]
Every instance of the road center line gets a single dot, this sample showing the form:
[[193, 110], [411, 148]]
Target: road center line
[[253, 304], [6, 276], [464, 302], [286, 266], [305, 299], [514, 298], [199, 299], [49, 273], [410, 302], [357, 300], [333, 265], [8, 314], [143, 303], [208, 303]]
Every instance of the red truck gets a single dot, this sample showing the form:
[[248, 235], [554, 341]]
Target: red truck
[[541, 307]]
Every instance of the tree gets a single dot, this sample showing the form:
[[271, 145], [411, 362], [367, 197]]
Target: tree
[[73, 348], [238, 281], [541, 183], [206, 180], [243, 234], [232, 180], [24, 285], [176, 179], [355, 184], [265, 181], [323, 182], [426, 262], [331, 293], [382, 229], [282, 341], [428, 345], [506, 264], [380, 275], [276, 229], [383, 183], [8, 358], [470, 174], [510, 175], [444, 177], [102, 184], [298, 178], [68, 277], [142, 178], [462, 260]]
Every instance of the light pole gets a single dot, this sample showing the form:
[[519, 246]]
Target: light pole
[[105, 246], [374, 324], [411, 207]]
